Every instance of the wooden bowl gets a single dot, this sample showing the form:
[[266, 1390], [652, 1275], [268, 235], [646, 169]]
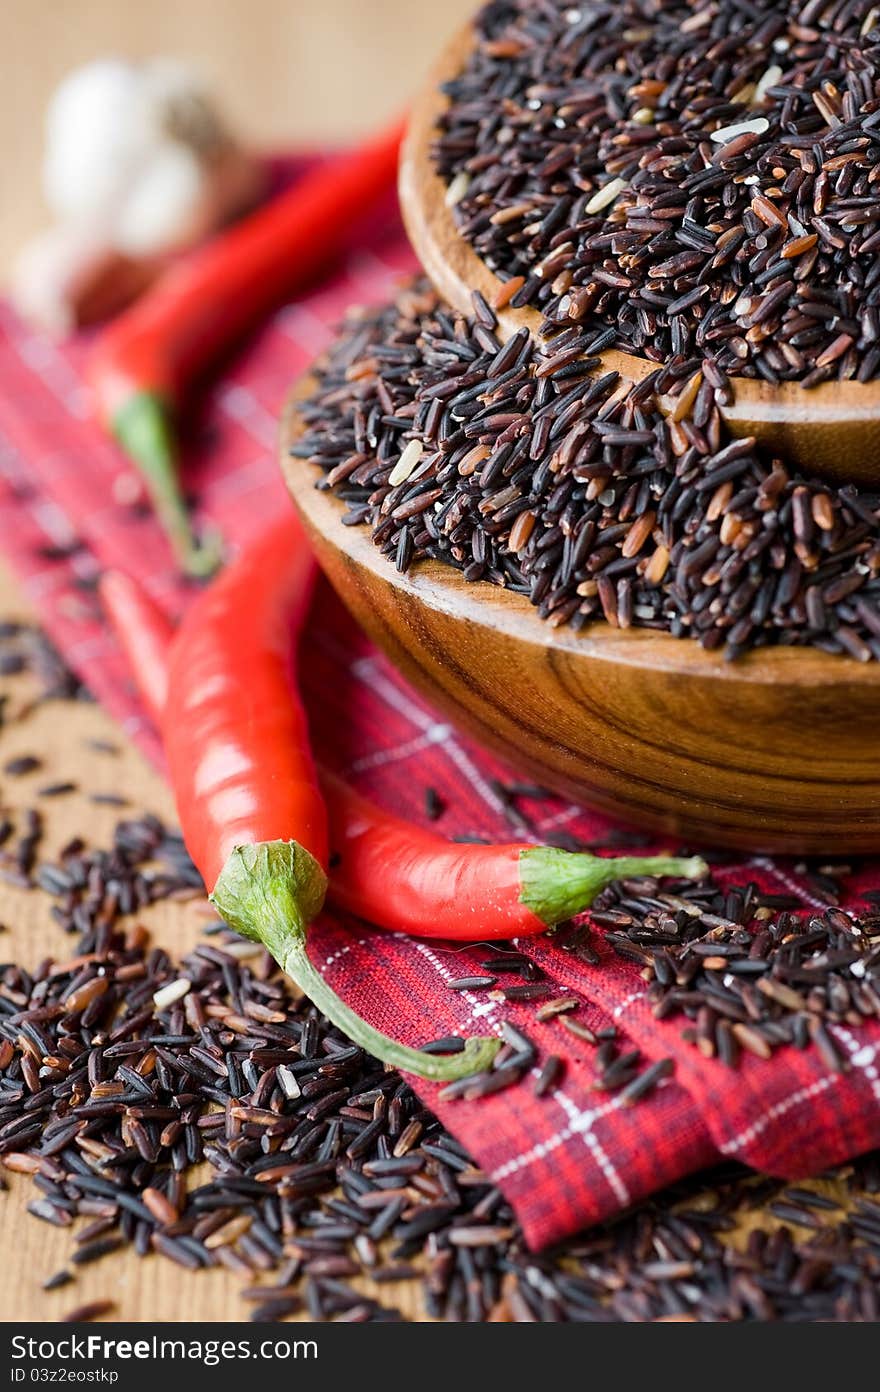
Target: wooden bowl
[[779, 751], [832, 430]]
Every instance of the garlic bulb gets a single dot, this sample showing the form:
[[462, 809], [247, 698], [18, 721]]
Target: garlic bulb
[[63, 279], [138, 156]]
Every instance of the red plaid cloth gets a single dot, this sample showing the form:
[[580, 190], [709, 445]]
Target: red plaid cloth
[[574, 1156]]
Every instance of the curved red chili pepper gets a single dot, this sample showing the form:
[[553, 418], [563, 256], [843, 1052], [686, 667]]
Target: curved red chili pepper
[[442, 889], [438, 889], [144, 361], [236, 739]]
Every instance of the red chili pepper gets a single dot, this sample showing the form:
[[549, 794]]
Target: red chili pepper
[[237, 744], [438, 889], [143, 363], [385, 870], [409, 880]]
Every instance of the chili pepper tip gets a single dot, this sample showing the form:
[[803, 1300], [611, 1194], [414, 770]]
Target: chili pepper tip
[[269, 893], [143, 428], [557, 884]]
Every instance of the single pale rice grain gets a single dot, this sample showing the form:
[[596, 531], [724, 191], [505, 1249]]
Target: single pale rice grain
[[174, 991], [769, 78], [407, 463], [605, 196], [757, 126], [458, 187]]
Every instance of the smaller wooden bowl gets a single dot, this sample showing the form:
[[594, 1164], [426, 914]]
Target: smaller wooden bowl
[[832, 430], [779, 751]]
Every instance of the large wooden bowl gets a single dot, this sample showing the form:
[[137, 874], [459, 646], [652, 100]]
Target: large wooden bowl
[[779, 751], [832, 430]]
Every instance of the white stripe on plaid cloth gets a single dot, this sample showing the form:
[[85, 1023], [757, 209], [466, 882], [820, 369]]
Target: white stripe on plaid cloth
[[804, 1094]]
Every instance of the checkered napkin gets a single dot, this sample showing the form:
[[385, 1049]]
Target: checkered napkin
[[575, 1155]]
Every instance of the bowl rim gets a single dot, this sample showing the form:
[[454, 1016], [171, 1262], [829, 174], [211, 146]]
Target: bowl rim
[[456, 269], [488, 606]]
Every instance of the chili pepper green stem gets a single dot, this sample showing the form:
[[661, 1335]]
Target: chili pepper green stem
[[143, 428], [557, 884], [269, 893]]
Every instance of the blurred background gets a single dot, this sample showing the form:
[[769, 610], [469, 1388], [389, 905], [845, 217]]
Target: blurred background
[[287, 72]]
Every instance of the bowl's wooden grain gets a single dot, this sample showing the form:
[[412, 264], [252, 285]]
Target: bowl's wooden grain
[[832, 430], [777, 752]]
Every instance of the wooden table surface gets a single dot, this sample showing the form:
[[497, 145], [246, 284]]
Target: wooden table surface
[[63, 735], [151, 1288], [288, 71]]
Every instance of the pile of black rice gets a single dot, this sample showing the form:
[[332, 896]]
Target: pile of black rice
[[697, 176], [121, 1070], [525, 465], [750, 971]]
